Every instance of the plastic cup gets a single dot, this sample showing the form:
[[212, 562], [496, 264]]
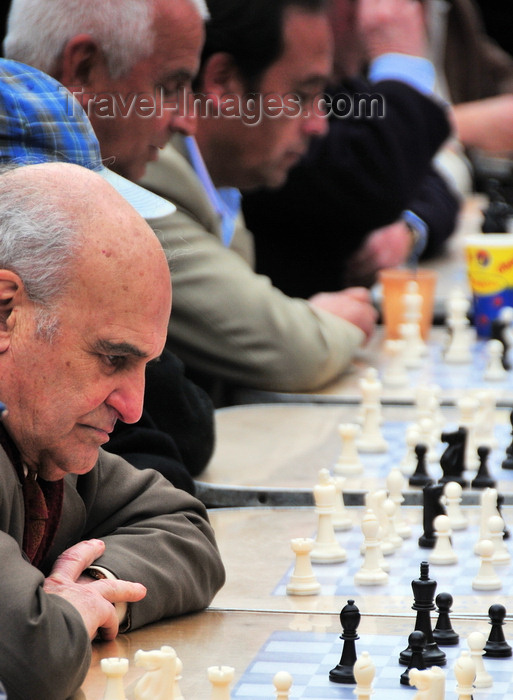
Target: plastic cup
[[394, 282], [490, 273]]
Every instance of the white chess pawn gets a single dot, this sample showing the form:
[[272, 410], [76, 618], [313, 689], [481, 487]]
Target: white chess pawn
[[114, 669], [501, 554], [326, 548], [465, 672], [371, 573], [395, 372], [494, 371], [282, 682], [413, 352], [220, 677], [341, 518], [442, 553], [303, 581], [364, 672], [452, 501], [395, 484], [476, 642], [349, 462], [486, 579]]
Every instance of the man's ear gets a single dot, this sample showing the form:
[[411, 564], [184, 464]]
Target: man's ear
[[11, 288], [221, 76], [82, 63]]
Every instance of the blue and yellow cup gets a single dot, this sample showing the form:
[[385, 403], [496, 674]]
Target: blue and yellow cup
[[490, 273]]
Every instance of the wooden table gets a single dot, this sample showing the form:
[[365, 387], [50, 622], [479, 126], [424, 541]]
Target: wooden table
[[255, 547], [272, 454], [232, 638]]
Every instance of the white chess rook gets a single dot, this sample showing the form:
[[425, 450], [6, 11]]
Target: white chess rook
[[326, 548], [303, 581], [114, 668], [220, 678], [349, 462]]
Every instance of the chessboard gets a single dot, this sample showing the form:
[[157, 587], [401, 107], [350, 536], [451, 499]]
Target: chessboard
[[309, 656], [337, 579]]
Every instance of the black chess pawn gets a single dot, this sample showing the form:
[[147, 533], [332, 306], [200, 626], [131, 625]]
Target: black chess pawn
[[483, 479], [349, 619], [443, 633], [496, 645], [423, 602], [500, 502], [432, 506], [499, 331], [417, 644], [420, 477], [452, 460], [507, 462]]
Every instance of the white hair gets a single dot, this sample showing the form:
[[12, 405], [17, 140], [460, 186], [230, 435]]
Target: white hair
[[38, 31], [38, 241]]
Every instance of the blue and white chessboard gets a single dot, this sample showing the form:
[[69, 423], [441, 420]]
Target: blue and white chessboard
[[456, 579], [394, 432], [309, 656]]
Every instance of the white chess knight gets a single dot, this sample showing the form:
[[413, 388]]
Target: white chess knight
[[494, 371], [220, 678], [114, 668], [349, 462], [158, 683], [364, 672], [326, 548], [303, 581], [430, 683]]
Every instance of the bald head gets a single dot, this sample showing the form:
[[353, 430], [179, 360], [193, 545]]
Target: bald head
[[71, 247]]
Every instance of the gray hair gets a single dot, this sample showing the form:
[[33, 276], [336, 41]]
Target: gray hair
[[38, 30], [38, 242]]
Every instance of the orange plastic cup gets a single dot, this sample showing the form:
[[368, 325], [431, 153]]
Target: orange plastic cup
[[394, 285]]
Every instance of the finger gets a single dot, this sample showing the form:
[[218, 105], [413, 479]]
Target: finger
[[72, 562], [119, 591]]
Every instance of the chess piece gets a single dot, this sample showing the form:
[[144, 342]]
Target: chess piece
[[416, 647], [158, 683], [486, 578], [349, 619], [443, 633], [408, 463], [375, 500], [303, 581], [432, 506], [412, 313], [476, 642], [177, 691], [364, 672], [326, 547], [507, 463], [220, 678], [341, 519], [483, 478], [469, 406], [485, 419], [420, 477], [423, 596], [371, 439], [430, 683], [371, 573], [349, 462], [282, 682], [395, 484], [496, 646], [465, 672], [395, 372], [501, 331], [501, 554], [452, 460], [500, 503], [114, 669], [452, 500], [488, 502], [494, 371], [442, 553], [458, 348]]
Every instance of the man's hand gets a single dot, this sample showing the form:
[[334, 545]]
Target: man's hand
[[486, 124], [389, 246], [392, 26], [353, 305], [93, 599]]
